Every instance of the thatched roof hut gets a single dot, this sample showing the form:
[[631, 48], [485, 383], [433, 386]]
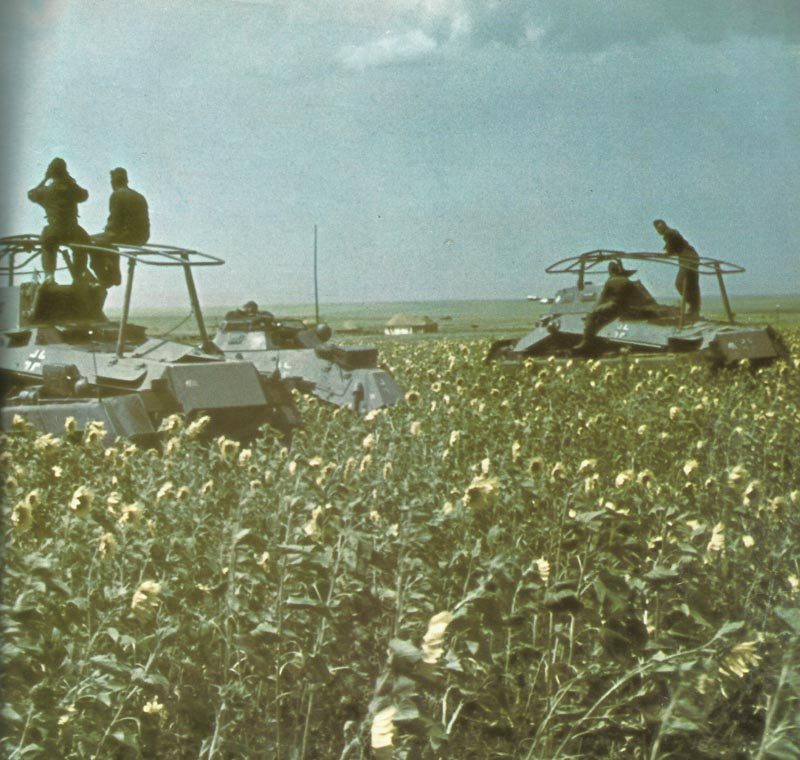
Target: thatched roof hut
[[406, 323]]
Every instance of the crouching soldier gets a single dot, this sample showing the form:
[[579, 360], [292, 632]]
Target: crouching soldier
[[619, 297]]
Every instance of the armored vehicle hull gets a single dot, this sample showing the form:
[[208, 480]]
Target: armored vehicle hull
[[121, 417], [652, 331], [60, 357], [347, 376]]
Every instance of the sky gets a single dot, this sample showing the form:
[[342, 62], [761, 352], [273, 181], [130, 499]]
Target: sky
[[445, 149]]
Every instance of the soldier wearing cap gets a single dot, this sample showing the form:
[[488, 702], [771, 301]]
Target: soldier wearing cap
[[128, 224], [250, 310], [687, 283], [619, 296], [59, 195]]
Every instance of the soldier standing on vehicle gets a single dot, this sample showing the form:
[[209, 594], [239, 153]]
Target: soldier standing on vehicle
[[128, 224], [59, 195], [687, 283], [619, 297]]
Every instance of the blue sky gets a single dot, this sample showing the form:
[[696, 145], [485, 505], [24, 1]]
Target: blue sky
[[445, 148]]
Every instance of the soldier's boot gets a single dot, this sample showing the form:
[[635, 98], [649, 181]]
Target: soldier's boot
[[49, 266], [102, 270], [80, 270], [114, 272], [590, 330], [587, 344]]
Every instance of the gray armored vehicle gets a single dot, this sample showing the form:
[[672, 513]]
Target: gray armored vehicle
[[61, 357], [651, 330], [347, 376]]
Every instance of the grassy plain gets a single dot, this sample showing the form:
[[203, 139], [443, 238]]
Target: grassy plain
[[461, 319], [585, 562]]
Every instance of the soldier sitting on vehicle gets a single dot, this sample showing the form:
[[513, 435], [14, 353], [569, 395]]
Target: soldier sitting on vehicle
[[619, 298], [128, 224], [59, 195]]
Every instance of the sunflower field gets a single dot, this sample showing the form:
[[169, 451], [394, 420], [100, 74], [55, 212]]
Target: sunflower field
[[582, 561]]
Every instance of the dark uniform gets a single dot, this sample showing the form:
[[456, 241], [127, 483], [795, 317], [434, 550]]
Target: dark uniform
[[619, 297], [128, 224], [59, 195], [251, 312], [687, 283], [128, 219]]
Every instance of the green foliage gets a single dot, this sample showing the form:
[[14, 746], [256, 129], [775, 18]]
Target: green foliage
[[617, 547]]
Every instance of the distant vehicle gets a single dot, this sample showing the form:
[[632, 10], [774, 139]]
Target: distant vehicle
[[303, 356], [653, 332], [61, 357], [541, 299]]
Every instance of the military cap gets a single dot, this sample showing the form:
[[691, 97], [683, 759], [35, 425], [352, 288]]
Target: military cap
[[615, 267]]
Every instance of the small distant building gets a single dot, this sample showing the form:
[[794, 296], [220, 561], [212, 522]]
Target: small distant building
[[409, 324], [349, 327]]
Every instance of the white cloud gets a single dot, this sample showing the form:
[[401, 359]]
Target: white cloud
[[533, 33], [578, 24], [461, 26], [389, 49]]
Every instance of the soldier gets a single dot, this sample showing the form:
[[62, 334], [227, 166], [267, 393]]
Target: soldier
[[128, 223], [250, 309], [619, 297], [687, 283], [59, 195]]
